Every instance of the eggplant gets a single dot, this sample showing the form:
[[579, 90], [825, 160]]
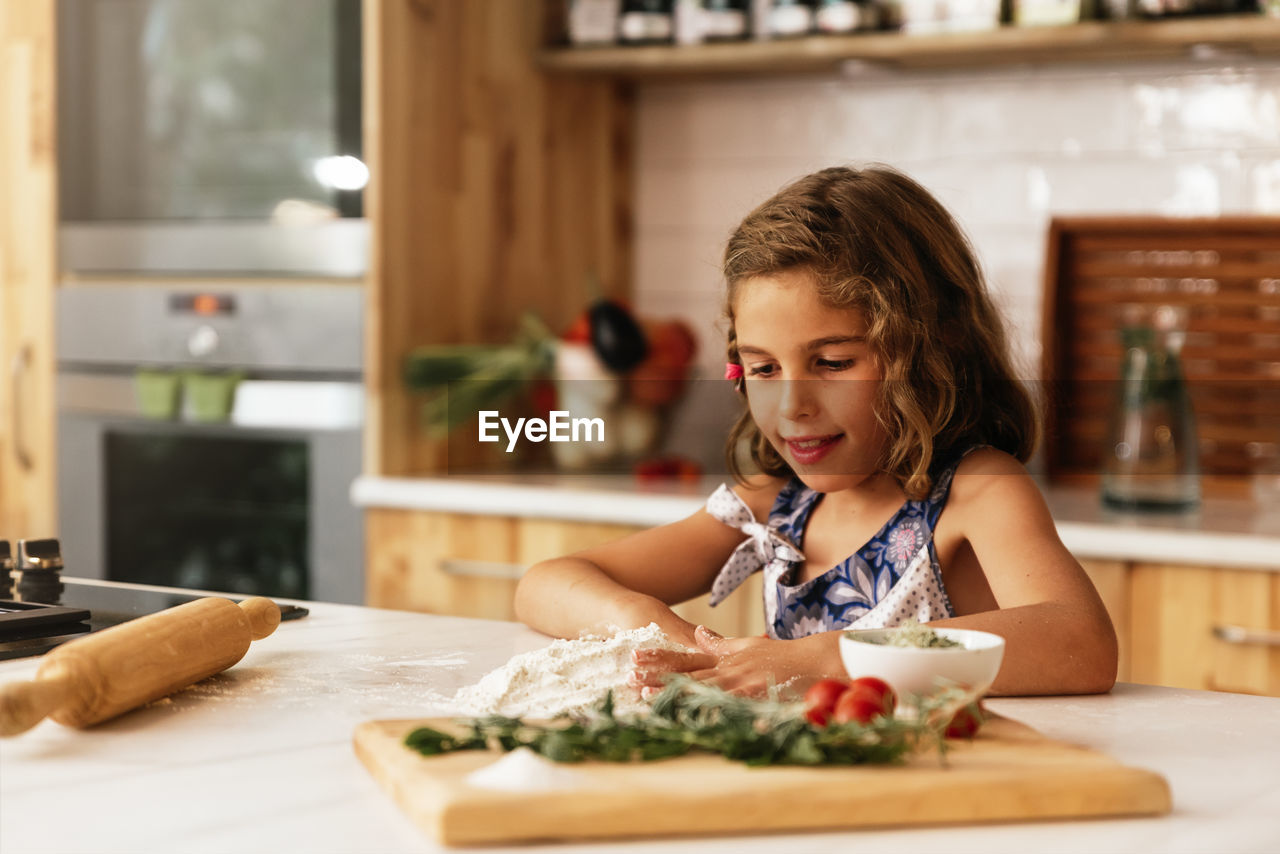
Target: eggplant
[[616, 337]]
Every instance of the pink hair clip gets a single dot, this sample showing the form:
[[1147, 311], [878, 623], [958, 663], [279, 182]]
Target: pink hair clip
[[732, 371]]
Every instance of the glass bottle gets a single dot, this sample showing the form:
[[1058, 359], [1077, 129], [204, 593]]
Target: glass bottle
[[646, 21], [725, 20], [1152, 458]]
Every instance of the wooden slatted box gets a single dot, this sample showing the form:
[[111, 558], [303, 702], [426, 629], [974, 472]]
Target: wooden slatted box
[[1225, 271]]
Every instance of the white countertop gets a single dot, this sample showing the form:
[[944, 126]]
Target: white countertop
[[1221, 532], [260, 759]]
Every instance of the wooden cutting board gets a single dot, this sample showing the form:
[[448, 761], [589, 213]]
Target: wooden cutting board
[[1009, 773]]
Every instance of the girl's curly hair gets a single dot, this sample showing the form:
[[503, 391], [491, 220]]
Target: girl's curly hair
[[876, 241]]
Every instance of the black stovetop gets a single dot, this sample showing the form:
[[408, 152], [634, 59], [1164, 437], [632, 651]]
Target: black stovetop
[[87, 605]]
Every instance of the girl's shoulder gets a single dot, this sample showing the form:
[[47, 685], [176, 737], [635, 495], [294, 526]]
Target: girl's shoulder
[[989, 461], [988, 479], [760, 492]]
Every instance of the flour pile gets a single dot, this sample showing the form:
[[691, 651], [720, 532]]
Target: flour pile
[[522, 770], [569, 676]]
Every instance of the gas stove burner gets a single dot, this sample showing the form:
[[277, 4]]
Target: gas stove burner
[[37, 572]]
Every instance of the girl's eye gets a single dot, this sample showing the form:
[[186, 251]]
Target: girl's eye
[[760, 371], [836, 364]]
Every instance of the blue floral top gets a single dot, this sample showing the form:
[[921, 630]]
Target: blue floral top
[[891, 580]]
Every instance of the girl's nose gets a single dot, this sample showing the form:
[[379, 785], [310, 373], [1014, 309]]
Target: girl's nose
[[796, 399]]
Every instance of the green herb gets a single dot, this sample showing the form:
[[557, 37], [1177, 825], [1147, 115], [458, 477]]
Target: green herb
[[907, 635], [464, 379], [692, 716]]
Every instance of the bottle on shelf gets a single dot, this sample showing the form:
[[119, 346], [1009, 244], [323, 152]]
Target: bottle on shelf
[[593, 22], [838, 17], [646, 22], [725, 20], [789, 18]]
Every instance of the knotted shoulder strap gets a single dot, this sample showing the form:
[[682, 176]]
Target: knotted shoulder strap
[[763, 544]]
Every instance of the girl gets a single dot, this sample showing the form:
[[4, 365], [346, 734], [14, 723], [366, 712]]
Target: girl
[[889, 432]]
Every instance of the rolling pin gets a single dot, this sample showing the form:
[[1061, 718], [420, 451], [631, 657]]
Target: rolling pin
[[107, 673]]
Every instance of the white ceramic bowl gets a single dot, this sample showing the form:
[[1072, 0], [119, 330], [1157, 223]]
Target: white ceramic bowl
[[923, 670]]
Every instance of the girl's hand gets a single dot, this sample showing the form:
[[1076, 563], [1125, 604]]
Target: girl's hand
[[637, 611], [749, 666], [745, 666], [653, 666]]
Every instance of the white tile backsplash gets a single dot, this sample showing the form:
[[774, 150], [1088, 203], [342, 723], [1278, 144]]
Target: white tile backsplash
[[710, 196], [1263, 184], [1004, 149]]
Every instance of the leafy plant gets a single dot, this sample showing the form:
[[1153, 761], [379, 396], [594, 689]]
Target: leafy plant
[[466, 378], [688, 715]]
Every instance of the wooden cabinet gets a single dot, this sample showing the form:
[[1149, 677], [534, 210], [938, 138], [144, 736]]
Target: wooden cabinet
[[1215, 629], [28, 219], [1193, 626], [1111, 578], [468, 565]]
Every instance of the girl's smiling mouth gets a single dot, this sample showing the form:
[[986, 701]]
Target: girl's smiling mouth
[[810, 449]]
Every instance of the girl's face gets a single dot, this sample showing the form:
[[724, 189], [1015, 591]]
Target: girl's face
[[811, 379]]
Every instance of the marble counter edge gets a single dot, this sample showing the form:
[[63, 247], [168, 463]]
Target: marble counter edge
[[1131, 539], [542, 501]]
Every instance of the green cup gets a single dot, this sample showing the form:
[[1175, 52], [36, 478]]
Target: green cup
[[158, 393], [210, 396]]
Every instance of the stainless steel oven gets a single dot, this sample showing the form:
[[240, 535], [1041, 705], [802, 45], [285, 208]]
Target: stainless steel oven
[[208, 436], [211, 136]]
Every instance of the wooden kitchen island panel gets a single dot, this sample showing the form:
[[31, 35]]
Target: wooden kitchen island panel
[[468, 565], [1111, 578], [440, 563], [1214, 629]]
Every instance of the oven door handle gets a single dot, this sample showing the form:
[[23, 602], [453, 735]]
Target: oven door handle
[[21, 362]]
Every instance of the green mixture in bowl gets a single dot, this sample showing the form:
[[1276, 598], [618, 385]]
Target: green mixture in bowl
[[909, 635]]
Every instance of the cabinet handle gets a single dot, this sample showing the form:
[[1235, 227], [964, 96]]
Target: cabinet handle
[[481, 568], [21, 361], [1248, 637]]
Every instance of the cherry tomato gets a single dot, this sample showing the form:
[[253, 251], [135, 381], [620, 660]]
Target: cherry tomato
[[688, 470], [966, 722], [666, 467], [820, 700], [882, 688], [861, 704], [580, 331]]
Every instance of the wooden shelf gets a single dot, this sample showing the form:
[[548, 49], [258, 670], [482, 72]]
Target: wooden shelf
[[1246, 35]]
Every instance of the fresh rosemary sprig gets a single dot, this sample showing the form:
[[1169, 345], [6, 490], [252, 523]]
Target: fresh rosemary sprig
[[688, 715]]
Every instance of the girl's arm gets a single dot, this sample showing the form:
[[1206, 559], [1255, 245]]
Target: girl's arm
[[1059, 638], [633, 581]]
